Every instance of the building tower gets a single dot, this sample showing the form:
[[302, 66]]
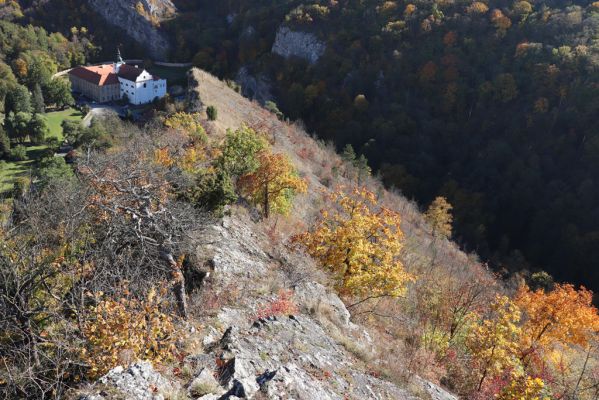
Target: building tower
[[119, 60]]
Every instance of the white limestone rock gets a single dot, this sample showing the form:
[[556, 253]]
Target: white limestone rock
[[304, 45]]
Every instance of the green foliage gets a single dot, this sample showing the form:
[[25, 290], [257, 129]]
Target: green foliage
[[72, 132], [38, 129], [273, 108], [37, 99], [59, 93], [18, 125], [19, 153], [17, 100], [348, 155], [4, 144], [53, 169], [212, 190], [239, 151], [212, 113]]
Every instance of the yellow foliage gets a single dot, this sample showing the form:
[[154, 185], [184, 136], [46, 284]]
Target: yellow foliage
[[501, 22], [438, 216], [494, 342], [273, 184], [127, 327], [192, 157], [562, 316], [163, 157], [477, 8], [410, 9], [360, 243], [188, 123], [524, 388]]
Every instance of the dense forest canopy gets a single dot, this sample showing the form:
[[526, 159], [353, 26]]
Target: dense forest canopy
[[491, 104]]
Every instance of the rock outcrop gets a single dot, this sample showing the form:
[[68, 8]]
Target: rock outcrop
[[304, 45], [139, 24], [314, 352], [138, 382]]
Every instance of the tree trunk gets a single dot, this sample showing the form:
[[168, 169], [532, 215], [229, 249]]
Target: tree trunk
[[179, 284], [266, 202]]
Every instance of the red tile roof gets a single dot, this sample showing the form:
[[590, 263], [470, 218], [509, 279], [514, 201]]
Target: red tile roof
[[98, 74], [130, 72]]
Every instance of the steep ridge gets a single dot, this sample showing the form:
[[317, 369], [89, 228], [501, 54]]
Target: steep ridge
[[313, 351]]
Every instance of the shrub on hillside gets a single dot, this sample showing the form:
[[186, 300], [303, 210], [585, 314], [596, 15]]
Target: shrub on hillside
[[19, 153], [123, 329], [212, 113]]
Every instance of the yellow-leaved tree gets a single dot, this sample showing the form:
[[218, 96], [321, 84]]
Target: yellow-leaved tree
[[273, 184], [360, 242], [493, 342], [439, 217], [187, 123], [524, 388], [562, 316]]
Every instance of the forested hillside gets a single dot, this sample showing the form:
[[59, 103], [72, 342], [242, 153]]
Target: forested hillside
[[492, 104]]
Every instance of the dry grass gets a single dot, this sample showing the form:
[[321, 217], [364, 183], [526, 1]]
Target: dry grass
[[395, 323]]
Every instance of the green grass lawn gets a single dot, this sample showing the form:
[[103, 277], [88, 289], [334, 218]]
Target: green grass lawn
[[10, 170], [54, 119]]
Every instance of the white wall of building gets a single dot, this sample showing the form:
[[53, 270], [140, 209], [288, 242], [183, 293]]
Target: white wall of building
[[144, 90]]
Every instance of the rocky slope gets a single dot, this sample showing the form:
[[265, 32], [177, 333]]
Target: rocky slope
[[316, 352], [140, 23], [305, 45], [235, 345]]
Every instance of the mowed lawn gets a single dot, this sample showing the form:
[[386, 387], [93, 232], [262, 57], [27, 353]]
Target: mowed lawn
[[10, 170], [54, 120]]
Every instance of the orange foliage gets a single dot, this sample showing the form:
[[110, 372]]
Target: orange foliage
[[450, 39], [477, 8], [273, 184], [283, 305], [428, 72], [500, 21], [360, 242], [564, 315], [129, 328], [163, 157]]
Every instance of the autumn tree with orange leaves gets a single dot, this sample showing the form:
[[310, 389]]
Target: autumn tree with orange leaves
[[359, 242], [273, 185], [564, 316]]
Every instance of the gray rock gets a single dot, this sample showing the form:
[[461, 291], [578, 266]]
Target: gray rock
[[304, 45], [123, 14], [138, 382], [436, 392], [205, 384]]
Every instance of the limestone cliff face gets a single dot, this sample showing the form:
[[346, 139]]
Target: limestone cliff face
[[304, 45], [140, 23]]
